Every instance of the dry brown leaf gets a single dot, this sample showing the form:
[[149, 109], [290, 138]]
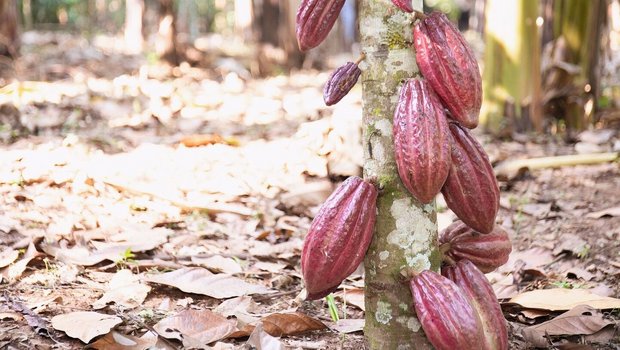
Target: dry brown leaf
[[613, 211], [200, 281], [16, 269], [571, 243], [195, 328], [580, 320], [558, 299], [117, 341], [353, 297], [348, 325], [218, 263], [290, 324], [85, 325], [231, 307], [124, 289], [261, 340], [533, 258], [8, 256]]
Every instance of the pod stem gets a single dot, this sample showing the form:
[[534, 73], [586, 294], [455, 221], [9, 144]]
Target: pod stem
[[361, 58], [419, 14]]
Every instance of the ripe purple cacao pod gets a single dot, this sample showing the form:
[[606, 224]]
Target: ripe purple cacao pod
[[448, 63], [404, 5], [339, 236], [471, 190], [340, 83], [446, 314], [421, 140], [315, 18], [486, 251], [477, 287]]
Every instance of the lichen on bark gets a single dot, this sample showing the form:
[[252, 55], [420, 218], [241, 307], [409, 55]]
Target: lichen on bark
[[406, 230]]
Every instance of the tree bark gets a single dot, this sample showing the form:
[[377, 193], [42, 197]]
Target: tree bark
[[406, 230], [9, 35], [134, 11], [166, 44]]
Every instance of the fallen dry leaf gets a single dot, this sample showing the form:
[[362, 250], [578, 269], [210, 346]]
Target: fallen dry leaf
[[533, 258], [33, 319], [613, 211], [8, 256], [117, 341], [279, 324], [580, 320], [231, 307], [16, 269], [558, 299], [348, 325], [353, 297], [195, 328], [85, 325], [571, 243], [124, 289], [218, 263], [200, 281], [261, 340]]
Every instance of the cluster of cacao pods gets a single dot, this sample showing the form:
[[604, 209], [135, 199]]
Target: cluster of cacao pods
[[458, 308], [434, 152]]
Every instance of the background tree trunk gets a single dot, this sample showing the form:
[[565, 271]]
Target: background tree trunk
[[511, 77], [406, 230], [166, 45], [134, 10], [577, 26], [9, 35]]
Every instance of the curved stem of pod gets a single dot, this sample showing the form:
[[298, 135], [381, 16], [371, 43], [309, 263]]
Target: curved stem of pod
[[405, 230], [361, 58]]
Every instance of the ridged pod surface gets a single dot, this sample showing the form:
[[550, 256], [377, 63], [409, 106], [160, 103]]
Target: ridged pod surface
[[446, 314], [315, 18], [471, 190], [477, 287], [404, 5], [340, 83], [448, 63], [421, 140], [339, 236], [486, 251]]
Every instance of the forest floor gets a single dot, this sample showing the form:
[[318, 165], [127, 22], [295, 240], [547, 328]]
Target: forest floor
[[140, 200]]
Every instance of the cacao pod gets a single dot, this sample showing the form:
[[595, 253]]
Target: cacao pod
[[477, 287], [404, 5], [446, 314], [421, 140], [486, 251], [315, 18], [339, 236], [449, 65], [471, 190], [340, 83]]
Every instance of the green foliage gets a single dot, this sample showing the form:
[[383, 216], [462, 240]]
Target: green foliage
[[333, 309]]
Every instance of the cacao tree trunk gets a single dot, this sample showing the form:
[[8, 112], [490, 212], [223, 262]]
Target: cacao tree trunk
[[406, 230]]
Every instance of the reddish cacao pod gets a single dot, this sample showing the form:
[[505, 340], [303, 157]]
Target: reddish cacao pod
[[315, 18], [486, 251], [339, 236], [340, 83], [471, 190], [446, 314], [421, 140], [477, 287], [449, 65], [404, 5]]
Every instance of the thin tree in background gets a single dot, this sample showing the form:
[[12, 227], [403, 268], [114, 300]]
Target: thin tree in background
[[511, 77], [166, 44], [134, 11], [9, 34], [386, 37]]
